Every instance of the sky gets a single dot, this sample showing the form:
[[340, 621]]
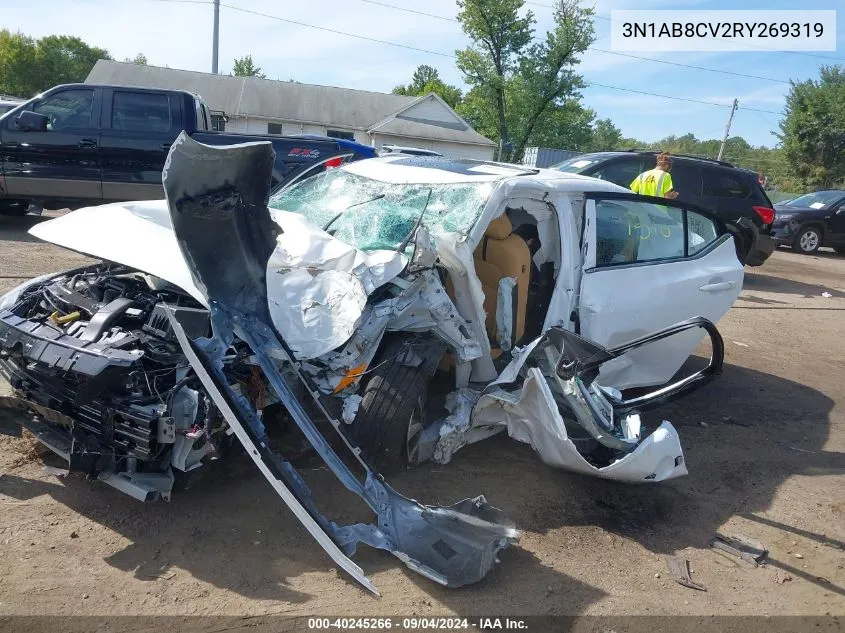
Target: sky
[[177, 33]]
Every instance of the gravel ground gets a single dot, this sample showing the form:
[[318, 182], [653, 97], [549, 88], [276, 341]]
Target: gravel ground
[[765, 446]]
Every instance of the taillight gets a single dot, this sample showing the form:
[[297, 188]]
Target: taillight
[[337, 162], [766, 214]]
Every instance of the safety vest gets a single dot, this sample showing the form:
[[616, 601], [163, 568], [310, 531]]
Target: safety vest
[[654, 182]]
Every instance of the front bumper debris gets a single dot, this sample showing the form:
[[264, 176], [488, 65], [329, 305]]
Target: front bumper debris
[[227, 236]]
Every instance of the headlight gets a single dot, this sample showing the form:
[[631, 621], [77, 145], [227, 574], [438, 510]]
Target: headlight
[[11, 298]]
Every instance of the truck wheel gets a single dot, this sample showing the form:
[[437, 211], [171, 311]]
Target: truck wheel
[[13, 207], [808, 240], [390, 417]]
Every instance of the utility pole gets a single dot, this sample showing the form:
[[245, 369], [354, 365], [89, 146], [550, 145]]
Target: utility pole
[[215, 42], [727, 129]]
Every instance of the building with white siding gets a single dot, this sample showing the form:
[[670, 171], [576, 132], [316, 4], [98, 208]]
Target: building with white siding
[[265, 106]]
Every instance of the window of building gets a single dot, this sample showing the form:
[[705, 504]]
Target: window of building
[[724, 184], [348, 136], [140, 111], [274, 128]]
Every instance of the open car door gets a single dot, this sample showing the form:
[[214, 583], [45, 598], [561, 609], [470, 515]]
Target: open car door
[[649, 263]]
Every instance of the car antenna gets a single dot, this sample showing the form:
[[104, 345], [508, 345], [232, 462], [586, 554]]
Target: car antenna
[[407, 239]]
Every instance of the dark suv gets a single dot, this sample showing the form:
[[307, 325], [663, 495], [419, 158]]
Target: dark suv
[[728, 191]]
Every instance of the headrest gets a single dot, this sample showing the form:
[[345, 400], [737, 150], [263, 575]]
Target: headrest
[[499, 228]]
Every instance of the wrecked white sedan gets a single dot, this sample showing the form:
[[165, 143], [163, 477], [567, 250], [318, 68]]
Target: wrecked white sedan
[[381, 314]]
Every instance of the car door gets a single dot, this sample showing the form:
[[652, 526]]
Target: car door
[[139, 127], [62, 161], [836, 224], [649, 263]]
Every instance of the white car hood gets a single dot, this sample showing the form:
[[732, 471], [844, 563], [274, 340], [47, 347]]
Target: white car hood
[[317, 285]]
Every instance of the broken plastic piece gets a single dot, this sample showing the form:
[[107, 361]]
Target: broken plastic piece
[[679, 568], [741, 546]]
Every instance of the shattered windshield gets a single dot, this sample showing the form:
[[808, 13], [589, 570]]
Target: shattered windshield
[[370, 214]]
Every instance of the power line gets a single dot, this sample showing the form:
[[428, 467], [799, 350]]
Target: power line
[[591, 48], [762, 48], [336, 32], [438, 53], [654, 94]]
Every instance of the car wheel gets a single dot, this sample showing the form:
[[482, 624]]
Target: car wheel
[[808, 240], [391, 417], [13, 207]]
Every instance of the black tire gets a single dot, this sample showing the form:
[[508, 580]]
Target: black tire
[[390, 416], [807, 240], [15, 208]]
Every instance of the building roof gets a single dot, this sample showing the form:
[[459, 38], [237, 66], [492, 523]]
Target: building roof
[[288, 100]]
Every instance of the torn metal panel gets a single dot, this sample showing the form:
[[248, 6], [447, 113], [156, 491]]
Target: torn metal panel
[[532, 416], [453, 546]]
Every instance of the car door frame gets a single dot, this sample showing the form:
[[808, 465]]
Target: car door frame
[[67, 173], [129, 156], [588, 258], [835, 229]]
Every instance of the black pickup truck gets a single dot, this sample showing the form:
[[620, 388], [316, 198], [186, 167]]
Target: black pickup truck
[[81, 144]]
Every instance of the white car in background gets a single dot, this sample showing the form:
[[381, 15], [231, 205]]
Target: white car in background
[[411, 306]]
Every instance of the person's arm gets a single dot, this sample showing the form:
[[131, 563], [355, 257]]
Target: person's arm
[[668, 188]]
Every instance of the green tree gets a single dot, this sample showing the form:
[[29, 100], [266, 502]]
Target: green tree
[[605, 136], [29, 66], [813, 129], [139, 59], [245, 67], [426, 80], [512, 72]]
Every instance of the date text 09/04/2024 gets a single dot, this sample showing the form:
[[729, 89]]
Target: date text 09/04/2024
[[418, 623]]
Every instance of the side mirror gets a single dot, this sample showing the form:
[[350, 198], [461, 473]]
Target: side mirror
[[29, 121]]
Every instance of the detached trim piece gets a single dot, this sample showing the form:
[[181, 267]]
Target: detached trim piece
[[584, 358]]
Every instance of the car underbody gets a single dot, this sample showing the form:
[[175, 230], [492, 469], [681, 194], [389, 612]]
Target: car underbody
[[237, 337]]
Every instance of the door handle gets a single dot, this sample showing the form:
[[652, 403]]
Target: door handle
[[718, 287], [88, 143], [165, 146]]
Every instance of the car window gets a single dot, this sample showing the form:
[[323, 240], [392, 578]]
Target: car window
[[620, 172], [67, 109], [630, 231], [140, 111], [724, 184], [686, 178], [701, 232]]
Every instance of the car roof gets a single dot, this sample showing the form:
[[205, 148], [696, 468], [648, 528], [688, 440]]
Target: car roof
[[406, 169], [643, 152]]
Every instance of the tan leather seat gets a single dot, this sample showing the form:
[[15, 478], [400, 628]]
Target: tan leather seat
[[503, 254]]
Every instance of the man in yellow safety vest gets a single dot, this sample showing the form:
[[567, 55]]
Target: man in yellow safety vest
[[657, 181]]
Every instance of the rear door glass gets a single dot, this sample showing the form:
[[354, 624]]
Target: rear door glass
[[620, 172], [724, 184], [686, 179], [140, 111]]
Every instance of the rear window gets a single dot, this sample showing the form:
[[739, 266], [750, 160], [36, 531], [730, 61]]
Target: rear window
[[686, 178], [620, 172], [140, 111], [578, 164], [723, 184]]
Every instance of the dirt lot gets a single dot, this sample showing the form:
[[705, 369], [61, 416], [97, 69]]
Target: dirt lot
[[765, 446]]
